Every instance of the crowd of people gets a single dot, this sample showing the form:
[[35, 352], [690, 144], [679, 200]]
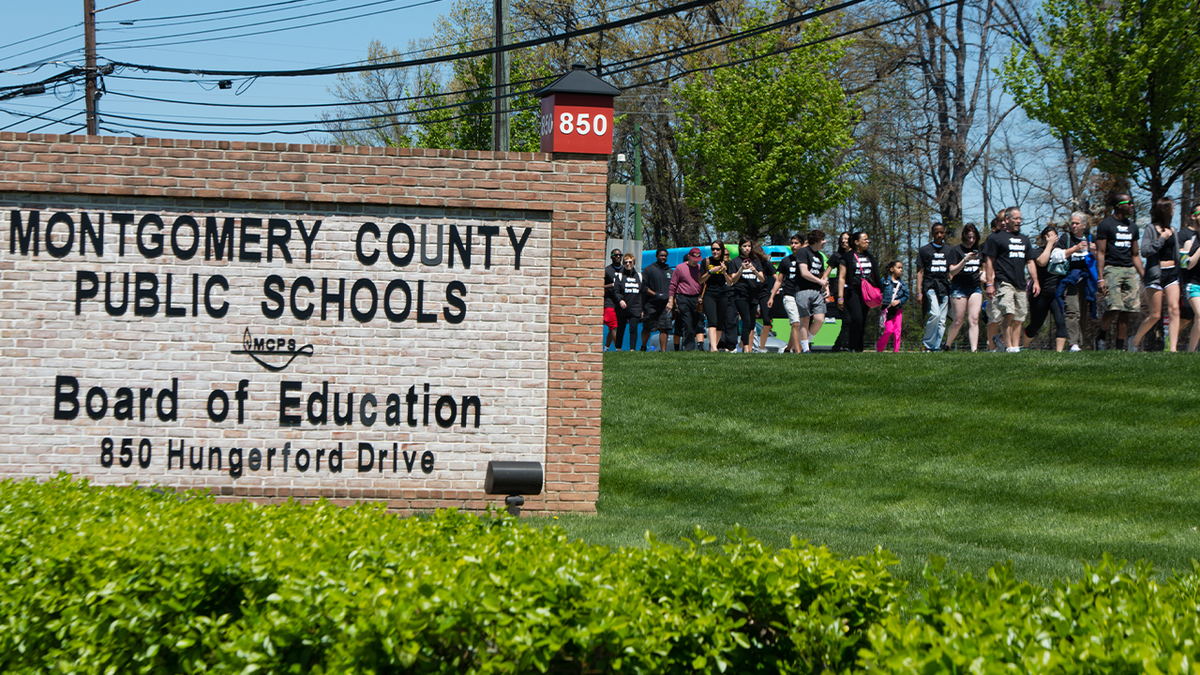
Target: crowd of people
[[1014, 282]]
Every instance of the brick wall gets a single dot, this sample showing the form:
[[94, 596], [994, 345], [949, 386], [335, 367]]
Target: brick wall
[[525, 347]]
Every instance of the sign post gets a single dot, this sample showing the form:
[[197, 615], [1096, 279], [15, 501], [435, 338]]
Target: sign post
[[577, 114]]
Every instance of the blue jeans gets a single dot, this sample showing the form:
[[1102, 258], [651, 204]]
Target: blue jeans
[[935, 326]]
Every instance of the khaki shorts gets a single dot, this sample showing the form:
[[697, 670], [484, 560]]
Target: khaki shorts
[[993, 309], [1011, 300], [1123, 292]]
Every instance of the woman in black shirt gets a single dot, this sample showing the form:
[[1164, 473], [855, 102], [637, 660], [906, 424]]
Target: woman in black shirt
[[752, 278], [628, 289], [832, 311], [966, 295], [715, 272], [854, 266], [1046, 301]]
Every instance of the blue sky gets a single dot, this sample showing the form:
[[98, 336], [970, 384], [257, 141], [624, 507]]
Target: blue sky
[[180, 43]]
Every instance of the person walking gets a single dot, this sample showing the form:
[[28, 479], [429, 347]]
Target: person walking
[[656, 285], [629, 302], [714, 276], [856, 266], [785, 288], [832, 310], [933, 279], [1007, 255], [1078, 288], [684, 295], [1160, 246], [966, 295], [1189, 256], [808, 282], [995, 342], [1118, 269], [1048, 259], [891, 312], [753, 278], [610, 297]]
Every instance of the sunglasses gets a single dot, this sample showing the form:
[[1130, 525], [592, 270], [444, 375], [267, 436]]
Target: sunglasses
[[1124, 203]]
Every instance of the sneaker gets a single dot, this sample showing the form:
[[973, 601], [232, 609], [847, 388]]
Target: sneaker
[[1074, 348], [998, 342], [1013, 350], [1132, 346]]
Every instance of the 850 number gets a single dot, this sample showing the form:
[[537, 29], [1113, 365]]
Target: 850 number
[[124, 455], [582, 124]]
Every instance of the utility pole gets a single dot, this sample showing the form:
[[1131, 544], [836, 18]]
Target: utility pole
[[637, 179], [500, 67], [91, 95]]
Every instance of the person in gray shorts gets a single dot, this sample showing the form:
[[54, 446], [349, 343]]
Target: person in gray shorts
[[808, 284], [789, 273]]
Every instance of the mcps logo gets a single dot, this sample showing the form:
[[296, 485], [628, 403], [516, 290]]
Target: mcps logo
[[276, 349]]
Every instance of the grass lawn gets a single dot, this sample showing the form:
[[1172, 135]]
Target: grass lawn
[[1046, 459]]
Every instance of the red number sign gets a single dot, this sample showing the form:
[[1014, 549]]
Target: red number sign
[[577, 123]]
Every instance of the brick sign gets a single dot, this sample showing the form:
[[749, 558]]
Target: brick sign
[[219, 317]]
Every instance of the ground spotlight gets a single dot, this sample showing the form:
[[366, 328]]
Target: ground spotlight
[[513, 479]]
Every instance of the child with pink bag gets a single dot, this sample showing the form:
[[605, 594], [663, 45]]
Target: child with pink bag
[[891, 313]]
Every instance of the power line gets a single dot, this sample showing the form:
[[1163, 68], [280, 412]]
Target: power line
[[792, 48], [712, 43], [336, 70], [361, 118], [219, 15], [53, 122], [675, 54], [73, 38], [37, 65], [415, 97], [38, 37], [41, 116], [672, 52], [134, 42], [325, 130]]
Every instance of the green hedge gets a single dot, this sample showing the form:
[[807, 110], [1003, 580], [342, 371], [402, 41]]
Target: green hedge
[[1110, 621], [111, 580]]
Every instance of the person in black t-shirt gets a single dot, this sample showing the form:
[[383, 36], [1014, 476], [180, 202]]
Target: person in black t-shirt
[[787, 281], [854, 266], [753, 279], [1119, 269], [966, 294], [1007, 257], [994, 341], [714, 277], [806, 305], [831, 308], [933, 280], [656, 282], [628, 288], [1161, 248], [1046, 302], [610, 298]]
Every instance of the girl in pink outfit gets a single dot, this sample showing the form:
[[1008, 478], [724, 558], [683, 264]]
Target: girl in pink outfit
[[891, 315]]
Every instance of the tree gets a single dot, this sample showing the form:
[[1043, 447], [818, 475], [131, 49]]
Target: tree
[[441, 105], [1120, 79], [765, 137]]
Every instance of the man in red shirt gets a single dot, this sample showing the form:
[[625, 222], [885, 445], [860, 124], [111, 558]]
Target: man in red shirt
[[684, 293]]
